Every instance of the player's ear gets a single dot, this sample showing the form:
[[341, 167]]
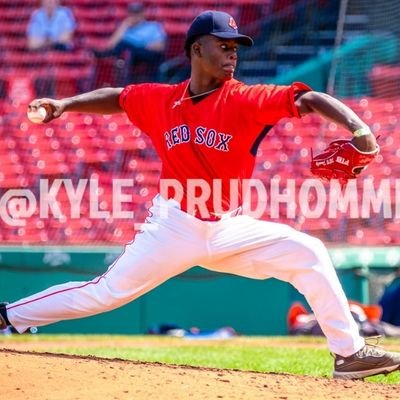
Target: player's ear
[[196, 49]]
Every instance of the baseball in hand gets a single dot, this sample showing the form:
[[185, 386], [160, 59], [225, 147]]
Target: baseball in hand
[[37, 116]]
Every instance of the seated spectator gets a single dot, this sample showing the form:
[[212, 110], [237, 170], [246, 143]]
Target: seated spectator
[[390, 301], [143, 40], [51, 27]]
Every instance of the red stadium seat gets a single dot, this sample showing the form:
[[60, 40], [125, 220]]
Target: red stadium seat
[[13, 43], [368, 237], [86, 3], [92, 28], [82, 13], [9, 179], [47, 166]]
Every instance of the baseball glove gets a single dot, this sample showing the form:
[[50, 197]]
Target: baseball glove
[[341, 160]]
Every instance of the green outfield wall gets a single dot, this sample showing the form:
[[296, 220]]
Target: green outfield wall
[[198, 297]]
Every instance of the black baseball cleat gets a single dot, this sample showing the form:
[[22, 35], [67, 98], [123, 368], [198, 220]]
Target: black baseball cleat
[[3, 322], [368, 361]]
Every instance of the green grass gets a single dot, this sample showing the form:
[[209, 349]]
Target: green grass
[[295, 355]]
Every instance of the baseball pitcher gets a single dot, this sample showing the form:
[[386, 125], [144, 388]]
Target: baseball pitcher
[[206, 131]]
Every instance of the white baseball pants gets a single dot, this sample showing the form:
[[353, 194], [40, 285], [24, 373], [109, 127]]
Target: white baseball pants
[[173, 243]]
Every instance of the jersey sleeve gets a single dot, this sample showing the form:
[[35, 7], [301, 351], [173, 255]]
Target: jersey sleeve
[[135, 101], [271, 103]]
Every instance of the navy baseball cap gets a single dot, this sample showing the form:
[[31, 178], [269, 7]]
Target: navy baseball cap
[[216, 23]]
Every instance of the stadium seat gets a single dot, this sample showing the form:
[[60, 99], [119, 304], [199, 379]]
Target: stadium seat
[[87, 3], [11, 43], [368, 237], [83, 12], [23, 60], [9, 180], [93, 28]]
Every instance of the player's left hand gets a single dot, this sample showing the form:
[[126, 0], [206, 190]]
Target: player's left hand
[[365, 142], [344, 159]]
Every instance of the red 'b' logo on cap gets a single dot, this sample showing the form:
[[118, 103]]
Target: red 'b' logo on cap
[[232, 23]]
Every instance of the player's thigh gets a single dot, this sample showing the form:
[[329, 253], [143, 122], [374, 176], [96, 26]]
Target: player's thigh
[[153, 257], [272, 250]]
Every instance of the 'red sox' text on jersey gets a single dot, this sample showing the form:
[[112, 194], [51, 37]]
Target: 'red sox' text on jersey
[[215, 137]]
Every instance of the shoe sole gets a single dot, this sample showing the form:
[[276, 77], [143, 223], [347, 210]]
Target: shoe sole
[[366, 373]]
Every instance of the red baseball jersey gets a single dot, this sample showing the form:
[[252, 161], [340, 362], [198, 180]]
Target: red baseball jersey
[[208, 146]]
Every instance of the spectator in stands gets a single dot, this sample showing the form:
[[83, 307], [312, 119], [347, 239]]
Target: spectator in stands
[[390, 301], [143, 40], [51, 27]]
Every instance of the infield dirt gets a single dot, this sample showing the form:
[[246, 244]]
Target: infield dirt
[[27, 375]]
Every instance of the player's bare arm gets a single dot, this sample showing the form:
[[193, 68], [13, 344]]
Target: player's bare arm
[[336, 111], [100, 101]]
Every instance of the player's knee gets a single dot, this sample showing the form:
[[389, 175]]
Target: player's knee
[[312, 251], [108, 296], [318, 245]]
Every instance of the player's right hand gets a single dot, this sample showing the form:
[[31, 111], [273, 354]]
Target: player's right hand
[[54, 108]]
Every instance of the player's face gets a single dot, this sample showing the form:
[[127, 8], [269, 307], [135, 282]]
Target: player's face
[[218, 57]]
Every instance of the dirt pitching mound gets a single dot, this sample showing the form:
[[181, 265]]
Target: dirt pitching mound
[[47, 376]]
